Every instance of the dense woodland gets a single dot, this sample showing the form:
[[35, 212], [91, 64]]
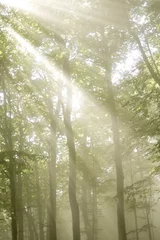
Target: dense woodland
[[79, 119]]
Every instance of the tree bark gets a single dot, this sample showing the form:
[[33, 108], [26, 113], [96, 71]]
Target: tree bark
[[52, 234], [86, 220], [12, 172], [72, 154], [145, 58], [28, 212], [13, 196], [20, 206], [117, 152], [146, 209], [32, 224], [39, 202], [134, 201]]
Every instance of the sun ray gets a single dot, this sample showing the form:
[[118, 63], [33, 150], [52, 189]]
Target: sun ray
[[39, 57], [18, 4], [55, 71]]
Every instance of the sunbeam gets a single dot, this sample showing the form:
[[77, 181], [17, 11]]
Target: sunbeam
[[39, 57], [58, 77], [17, 4]]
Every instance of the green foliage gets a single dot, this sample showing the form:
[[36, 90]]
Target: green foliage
[[32, 50]]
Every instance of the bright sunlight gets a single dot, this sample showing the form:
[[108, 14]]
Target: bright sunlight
[[79, 120]]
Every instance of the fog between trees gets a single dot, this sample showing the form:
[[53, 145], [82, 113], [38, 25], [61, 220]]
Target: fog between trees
[[79, 120]]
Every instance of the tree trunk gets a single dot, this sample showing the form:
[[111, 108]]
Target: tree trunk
[[154, 75], [52, 198], [28, 212], [94, 210], [52, 234], [20, 206], [12, 170], [94, 202], [134, 201], [117, 152], [32, 224], [72, 154], [86, 220], [146, 210], [13, 196], [39, 202], [86, 190]]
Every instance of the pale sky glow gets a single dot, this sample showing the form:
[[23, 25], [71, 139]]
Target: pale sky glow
[[1, 98], [19, 4], [127, 65], [77, 100]]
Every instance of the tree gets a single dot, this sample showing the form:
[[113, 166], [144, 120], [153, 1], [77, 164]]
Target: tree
[[72, 154]]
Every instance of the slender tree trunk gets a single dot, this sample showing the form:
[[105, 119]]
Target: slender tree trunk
[[86, 199], [94, 202], [20, 206], [52, 171], [28, 211], [72, 155], [154, 75], [30, 227], [12, 170], [48, 222], [117, 153], [94, 210], [148, 223], [32, 224], [39, 202], [52, 208], [134, 201], [86, 220], [136, 220], [146, 210], [152, 58], [13, 196]]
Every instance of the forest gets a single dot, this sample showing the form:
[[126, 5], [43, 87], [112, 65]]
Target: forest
[[80, 120]]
